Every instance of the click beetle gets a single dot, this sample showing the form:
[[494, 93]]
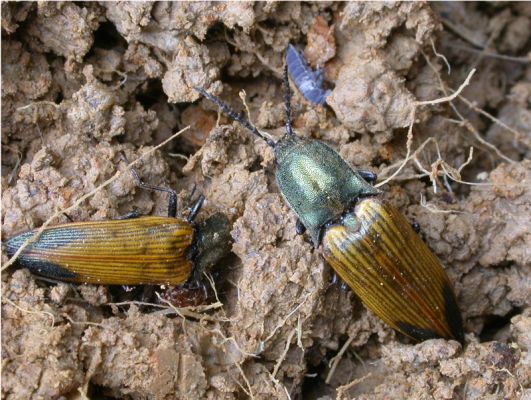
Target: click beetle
[[366, 240], [134, 250]]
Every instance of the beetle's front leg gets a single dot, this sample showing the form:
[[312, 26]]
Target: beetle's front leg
[[369, 176], [299, 227]]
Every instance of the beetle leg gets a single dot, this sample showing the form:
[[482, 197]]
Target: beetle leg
[[335, 280], [369, 176], [172, 201], [195, 208], [287, 101], [299, 227]]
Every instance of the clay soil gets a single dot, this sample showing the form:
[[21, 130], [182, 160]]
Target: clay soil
[[83, 81]]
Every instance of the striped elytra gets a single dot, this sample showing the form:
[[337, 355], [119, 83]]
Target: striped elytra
[[377, 253], [144, 250]]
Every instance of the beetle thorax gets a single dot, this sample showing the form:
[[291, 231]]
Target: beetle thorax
[[316, 182]]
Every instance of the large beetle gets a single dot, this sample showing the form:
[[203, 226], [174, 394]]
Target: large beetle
[[367, 241]]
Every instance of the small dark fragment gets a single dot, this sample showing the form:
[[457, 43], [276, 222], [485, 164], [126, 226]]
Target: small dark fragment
[[182, 296]]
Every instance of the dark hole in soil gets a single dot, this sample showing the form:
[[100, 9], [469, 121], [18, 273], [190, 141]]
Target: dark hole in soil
[[107, 37], [426, 180], [151, 93], [270, 24], [377, 160], [485, 8], [314, 385], [59, 98], [97, 392], [215, 32], [182, 147], [255, 166], [495, 323]]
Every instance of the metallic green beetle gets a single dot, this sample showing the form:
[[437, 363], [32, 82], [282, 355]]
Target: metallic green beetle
[[367, 241]]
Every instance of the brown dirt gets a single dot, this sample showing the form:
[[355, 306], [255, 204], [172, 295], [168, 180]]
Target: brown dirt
[[83, 81]]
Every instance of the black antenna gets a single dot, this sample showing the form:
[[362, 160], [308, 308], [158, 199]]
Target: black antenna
[[289, 127], [235, 116]]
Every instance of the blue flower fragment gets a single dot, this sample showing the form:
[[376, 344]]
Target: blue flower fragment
[[308, 82]]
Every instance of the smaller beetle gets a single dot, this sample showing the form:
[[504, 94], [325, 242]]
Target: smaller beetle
[[366, 240], [134, 250]]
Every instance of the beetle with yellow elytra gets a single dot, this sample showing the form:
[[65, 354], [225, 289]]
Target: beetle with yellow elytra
[[134, 250], [366, 240]]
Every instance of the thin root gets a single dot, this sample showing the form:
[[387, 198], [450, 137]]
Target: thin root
[[412, 121], [284, 353], [37, 103], [24, 310], [283, 322], [334, 362]]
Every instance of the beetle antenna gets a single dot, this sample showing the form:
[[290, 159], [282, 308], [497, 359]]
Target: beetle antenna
[[235, 116], [172, 202], [289, 127]]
